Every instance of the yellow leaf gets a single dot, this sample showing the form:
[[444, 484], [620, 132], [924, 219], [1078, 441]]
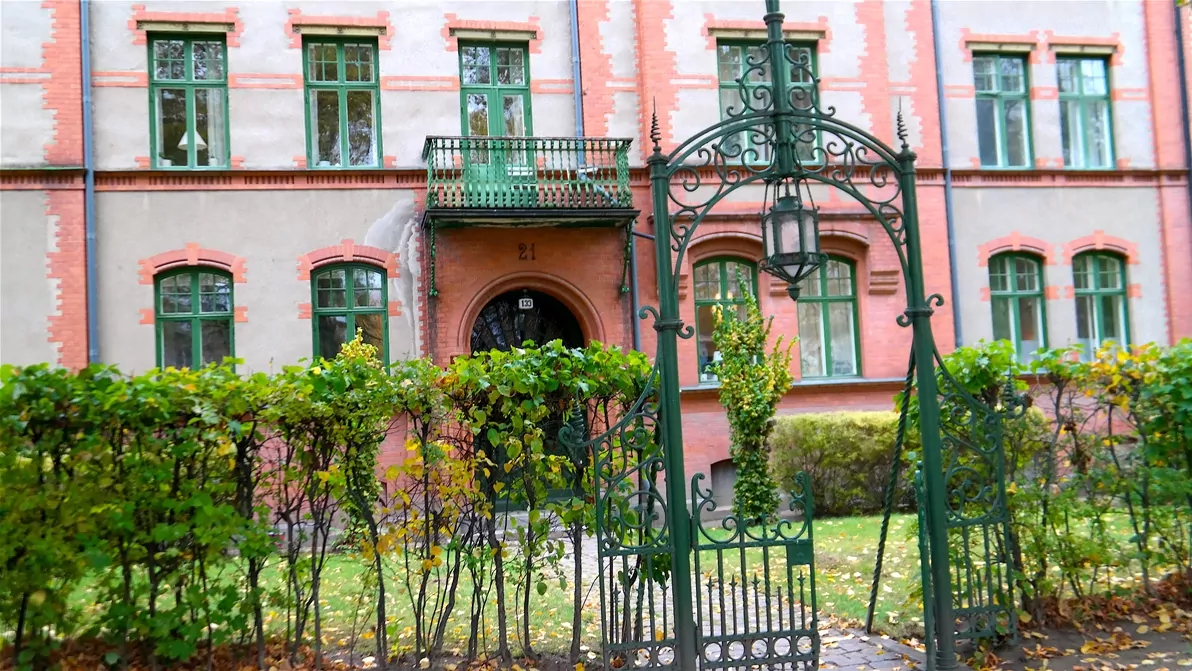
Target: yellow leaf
[[498, 486], [579, 666], [1143, 629]]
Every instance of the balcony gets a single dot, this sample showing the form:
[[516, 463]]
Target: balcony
[[534, 181]]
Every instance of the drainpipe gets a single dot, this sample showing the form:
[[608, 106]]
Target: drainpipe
[[957, 327], [577, 92], [1183, 68], [89, 186]]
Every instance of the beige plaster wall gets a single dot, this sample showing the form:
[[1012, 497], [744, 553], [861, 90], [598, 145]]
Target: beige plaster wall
[[25, 126], [1059, 216], [1123, 21], [27, 296], [270, 229]]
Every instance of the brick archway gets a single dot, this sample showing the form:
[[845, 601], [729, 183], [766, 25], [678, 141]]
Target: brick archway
[[568, 294]]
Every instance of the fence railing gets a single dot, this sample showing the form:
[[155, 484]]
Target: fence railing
[[527, 172]]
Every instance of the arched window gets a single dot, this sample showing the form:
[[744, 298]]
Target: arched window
[[349, 297], [194, 317], [1101, 310], [723, 282], [1016, 291], [828, 341]]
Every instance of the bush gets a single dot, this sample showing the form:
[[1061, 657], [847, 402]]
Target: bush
[[847, 455]]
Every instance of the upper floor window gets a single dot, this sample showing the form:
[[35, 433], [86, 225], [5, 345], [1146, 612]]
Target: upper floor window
[[1101, 311], [188, 90], [1085, 124], [828, 342], [1003, 115], [342, 103], [723, 283], [1016, 291], [194, 317], [495, 89], [737, 60], [349, 298]]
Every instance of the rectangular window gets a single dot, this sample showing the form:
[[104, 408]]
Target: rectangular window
[[743, 70], [342, 104], [188, 92], [349, 299], [194, 318], [1086, 126], [495, 90], [1016, 290], [1101, 309], [719, 284], [1003, 113], [828, 342]]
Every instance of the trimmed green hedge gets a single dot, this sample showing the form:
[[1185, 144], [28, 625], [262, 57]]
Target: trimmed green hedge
[[847, 455]]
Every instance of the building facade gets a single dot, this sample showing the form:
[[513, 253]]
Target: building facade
[[263, 178]]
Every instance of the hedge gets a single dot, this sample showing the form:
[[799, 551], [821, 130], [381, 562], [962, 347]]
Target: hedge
[[847, 455]]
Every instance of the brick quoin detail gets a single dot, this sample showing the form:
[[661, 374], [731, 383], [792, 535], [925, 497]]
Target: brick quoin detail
[[875, 96], [66, 265], [230, 15], [658, 68], [347, 252], [381, 20], [1099, 241], [1015, 242], [62, 92], [922, 70], [452, 21], [192, 255], [712, 24], [596, 68]]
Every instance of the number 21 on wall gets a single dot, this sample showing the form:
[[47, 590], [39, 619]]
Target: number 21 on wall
[[525, 252]]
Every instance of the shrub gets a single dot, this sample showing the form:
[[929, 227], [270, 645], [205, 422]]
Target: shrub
[[847, 455]]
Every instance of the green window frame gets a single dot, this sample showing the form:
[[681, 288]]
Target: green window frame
[[495, 71], [194, 310], [347, 297], [829, 333], [1003, 111], [343, 103], [716, 283], [1102, 309], [731, 64], [188, 102], [1086, 112], [1017, 299]]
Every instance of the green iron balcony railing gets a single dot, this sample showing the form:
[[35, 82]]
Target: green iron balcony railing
[[527, 173]]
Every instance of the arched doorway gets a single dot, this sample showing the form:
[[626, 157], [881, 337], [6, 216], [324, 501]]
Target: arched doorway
[[510, 320], [521, 315]]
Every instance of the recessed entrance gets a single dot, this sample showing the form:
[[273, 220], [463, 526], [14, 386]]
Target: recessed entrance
[[521, 315]]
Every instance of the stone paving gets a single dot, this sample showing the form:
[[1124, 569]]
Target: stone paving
[[855, 651]]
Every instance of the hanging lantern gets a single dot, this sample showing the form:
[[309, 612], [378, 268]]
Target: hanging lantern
[[790, 239]]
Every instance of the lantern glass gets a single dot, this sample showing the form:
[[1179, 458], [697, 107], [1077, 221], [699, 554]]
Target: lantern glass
[[791, 239]]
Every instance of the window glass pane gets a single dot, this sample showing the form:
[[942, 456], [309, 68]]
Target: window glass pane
[[1092, 75], [358, 62], [1066, 73], [1085, 316], [208, 60], [802, 66], [839, 280], [1026, 274], [811, 339], [324, 121], [362, 142], [840, 319], [738, 279], [756, 71], [477, 114], [169, 59], [476, 66], [999, 274], [987, 141], [367, 288], [176, 343], [171, 127], [176, 295], [1081, 273], [1003, 328], [1098, 134], [208, 138], [1016, 133], [1070, 135], [333, 331], [812, 284], [1012, 80], [984, 74], [705, 325], [1108, 271], [1030, 327], [1111, 324], [322, 63], [707, 281], [729, 59], [510, 68], [372, 327], [515, 116], [215, 293], [216, 339], [331, 289]]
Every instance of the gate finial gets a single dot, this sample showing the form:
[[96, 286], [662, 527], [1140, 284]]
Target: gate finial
[[902, 126], [655, 135]]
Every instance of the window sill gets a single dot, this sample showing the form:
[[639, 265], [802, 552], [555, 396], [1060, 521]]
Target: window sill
[[809, 383], [996, 168]]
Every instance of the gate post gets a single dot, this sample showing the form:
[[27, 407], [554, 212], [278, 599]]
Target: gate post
[[919, 313], [667, 325]]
